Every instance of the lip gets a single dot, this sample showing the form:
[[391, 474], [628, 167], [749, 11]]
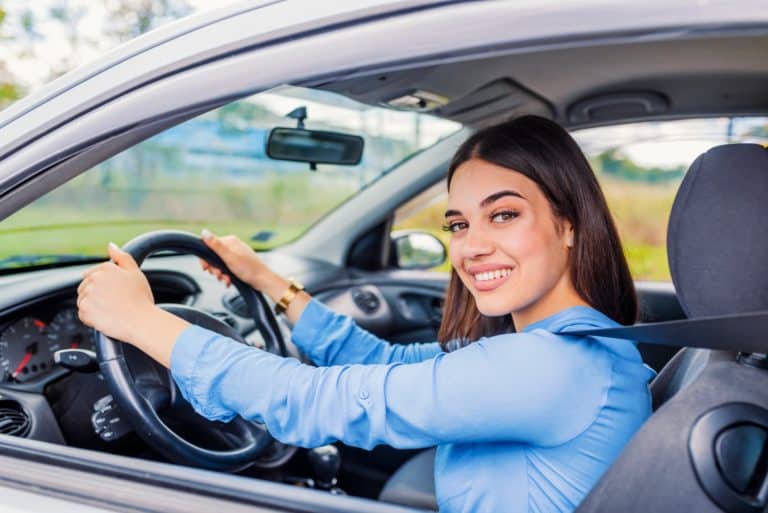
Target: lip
[[488, 285]]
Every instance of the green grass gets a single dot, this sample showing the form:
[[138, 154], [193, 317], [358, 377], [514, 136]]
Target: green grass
[[85, 216]]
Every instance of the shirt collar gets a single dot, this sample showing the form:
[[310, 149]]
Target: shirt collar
[[558, 320]]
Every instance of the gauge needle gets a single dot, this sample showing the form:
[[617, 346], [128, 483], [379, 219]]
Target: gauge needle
[[31, 350]]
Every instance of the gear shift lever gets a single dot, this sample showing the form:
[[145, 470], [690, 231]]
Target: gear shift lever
[[325, 462]]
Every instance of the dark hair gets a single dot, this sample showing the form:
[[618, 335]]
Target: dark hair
[[544, 152]]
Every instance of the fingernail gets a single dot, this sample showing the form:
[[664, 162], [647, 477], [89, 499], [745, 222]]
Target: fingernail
[[112, 245], [206, 234]]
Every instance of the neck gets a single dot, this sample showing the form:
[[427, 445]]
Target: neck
[[560, 297]]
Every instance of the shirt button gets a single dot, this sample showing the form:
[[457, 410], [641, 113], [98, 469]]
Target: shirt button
[[364, 395]]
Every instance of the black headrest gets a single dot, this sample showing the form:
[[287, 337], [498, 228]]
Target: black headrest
[[718, 232]]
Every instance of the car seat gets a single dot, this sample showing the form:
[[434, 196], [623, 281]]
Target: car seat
[[704, 449]]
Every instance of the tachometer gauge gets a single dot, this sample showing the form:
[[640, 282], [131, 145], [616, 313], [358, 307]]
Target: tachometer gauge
[[25, 350], [66, 331]]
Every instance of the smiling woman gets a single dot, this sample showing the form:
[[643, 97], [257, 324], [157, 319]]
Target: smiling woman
[[213, 171], [532, 243]]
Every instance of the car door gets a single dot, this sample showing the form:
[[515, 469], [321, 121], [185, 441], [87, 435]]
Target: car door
[[41, 477]]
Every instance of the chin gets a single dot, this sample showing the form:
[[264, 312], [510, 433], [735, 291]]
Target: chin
[[491, 308]]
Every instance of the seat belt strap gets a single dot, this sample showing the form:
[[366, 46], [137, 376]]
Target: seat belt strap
[[746, 332]]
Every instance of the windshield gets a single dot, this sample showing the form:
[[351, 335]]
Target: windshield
[[212, 172]]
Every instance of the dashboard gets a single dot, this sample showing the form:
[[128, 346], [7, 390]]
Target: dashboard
[[27, 344]]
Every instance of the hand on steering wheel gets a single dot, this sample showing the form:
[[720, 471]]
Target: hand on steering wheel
[[144, 394]]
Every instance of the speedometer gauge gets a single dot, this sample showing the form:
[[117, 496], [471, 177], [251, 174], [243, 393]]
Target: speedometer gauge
[[67, 332]]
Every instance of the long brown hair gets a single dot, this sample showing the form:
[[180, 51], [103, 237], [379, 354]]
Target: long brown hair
[[545, 153]]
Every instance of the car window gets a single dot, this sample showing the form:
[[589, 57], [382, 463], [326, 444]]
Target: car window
[[639, 167], [212, 172]]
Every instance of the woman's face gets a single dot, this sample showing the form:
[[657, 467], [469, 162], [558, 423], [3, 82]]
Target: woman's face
[[506, 245]]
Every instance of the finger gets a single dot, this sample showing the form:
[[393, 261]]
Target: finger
[[210, 239], [96, 268], [213, 270], [205, 265], [81, 287], [84, 317], [121, 258], [81, 298]]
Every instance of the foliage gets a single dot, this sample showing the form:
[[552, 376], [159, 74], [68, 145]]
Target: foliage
[[25, 30]]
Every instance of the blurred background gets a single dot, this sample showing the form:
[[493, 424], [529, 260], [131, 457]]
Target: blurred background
[[212, 171]]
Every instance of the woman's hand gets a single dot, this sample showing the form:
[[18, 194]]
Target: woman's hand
[[115, 298], [241, 260], [246, 265]]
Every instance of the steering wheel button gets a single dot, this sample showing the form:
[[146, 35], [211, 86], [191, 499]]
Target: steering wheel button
[[101, 403], [99, 421]]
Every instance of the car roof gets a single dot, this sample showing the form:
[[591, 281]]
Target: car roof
[[709, 73]]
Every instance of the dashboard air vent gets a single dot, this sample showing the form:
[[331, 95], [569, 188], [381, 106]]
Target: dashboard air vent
[[13, 420]]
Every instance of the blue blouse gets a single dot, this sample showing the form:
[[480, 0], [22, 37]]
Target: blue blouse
[[523, 422]]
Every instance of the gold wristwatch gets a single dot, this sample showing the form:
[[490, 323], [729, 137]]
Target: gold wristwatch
[[294, 288]]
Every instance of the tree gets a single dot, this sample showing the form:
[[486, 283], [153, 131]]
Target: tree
[[127, 19]]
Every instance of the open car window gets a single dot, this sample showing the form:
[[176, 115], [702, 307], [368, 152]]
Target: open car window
[[213, 172], [640, 167]]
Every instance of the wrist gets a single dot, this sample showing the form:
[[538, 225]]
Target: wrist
[[274, 286], [155, 326]]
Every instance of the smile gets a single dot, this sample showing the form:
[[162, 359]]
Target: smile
[[490, 280], [492, 275]]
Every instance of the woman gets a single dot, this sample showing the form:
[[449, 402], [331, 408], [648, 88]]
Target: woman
[[524, 421]]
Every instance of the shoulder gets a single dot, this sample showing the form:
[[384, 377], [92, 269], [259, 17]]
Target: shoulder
[[559, 357], [551, 334]]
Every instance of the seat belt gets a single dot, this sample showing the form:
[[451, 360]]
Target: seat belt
[[746, 332]]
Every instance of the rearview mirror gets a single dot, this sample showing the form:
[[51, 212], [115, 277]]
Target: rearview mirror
[[314, 146]]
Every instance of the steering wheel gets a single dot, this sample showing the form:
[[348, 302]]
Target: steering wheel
[[145, 390]]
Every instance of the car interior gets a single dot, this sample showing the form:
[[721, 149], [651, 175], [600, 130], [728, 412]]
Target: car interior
[[703, 449]]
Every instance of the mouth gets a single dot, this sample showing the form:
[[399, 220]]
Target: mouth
[[490, 280]]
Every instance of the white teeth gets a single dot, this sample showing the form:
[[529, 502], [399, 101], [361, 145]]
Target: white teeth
[[492, 275]]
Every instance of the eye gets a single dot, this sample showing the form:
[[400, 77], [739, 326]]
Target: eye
[[454, 226], [506, 215]]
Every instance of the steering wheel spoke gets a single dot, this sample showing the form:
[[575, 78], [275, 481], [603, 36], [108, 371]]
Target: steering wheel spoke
[[156, 394]]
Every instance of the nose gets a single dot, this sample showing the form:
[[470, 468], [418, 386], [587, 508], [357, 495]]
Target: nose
[[477, 243]]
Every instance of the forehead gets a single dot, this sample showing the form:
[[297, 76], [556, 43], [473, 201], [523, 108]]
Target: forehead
[[476, 179]]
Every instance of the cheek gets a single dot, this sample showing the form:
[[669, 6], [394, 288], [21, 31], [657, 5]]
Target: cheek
[[454, 256], [537, 251]]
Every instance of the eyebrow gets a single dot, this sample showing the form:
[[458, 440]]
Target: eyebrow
[[487, 201]]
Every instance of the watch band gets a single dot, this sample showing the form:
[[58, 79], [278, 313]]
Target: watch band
[[294, 288]]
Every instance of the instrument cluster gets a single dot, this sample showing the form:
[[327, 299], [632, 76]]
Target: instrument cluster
[[27, 344]]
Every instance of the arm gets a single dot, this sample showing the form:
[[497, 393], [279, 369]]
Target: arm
[[332, 339], [531, 387], [327, 338]]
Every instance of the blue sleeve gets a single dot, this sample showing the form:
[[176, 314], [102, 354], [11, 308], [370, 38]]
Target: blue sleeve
[[332, 339], [530, 387]]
